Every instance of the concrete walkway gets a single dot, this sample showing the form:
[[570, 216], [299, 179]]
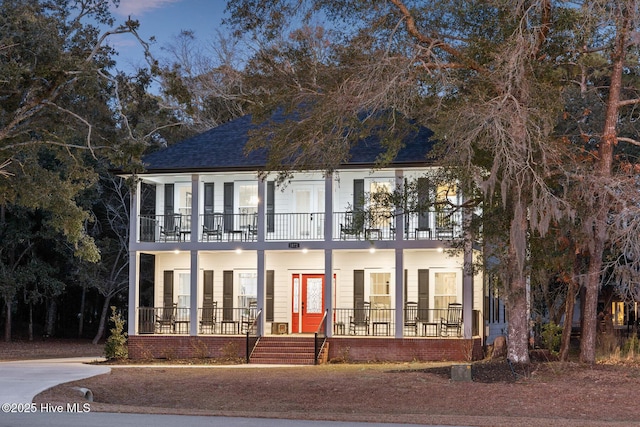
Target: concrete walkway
[[21, 381]]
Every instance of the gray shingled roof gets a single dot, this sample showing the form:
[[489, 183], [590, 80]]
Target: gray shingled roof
[[221, 149]]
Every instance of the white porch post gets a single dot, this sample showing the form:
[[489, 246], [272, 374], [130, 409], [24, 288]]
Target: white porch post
[[134, 258], [262, 226], [328, 253], [399, 210], [193, 295], [134, 268], [399, 256], [261, 291], [399, 313], [262, 209], [195, 207]]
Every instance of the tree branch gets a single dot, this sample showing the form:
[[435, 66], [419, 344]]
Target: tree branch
[[422, 38]]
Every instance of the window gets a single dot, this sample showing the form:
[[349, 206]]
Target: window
[[445, 289], [248, 198], [380, 208], [380, 290], [247, 289], [184, 294]]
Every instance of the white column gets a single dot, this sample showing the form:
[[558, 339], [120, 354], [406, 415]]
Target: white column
[[262, 208], [261, 290], [195, 207], [399, 313], [399, 212], [328, 253], [134, 291], [260, 255], [194, 296], [134, 258], [399, 258]]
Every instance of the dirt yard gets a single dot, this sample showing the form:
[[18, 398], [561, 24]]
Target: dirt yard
[[543, 394]]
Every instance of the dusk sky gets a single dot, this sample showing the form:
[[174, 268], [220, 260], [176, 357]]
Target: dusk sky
[[164, 19]]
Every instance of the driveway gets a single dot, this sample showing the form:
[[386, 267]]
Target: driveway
[[21, 381]]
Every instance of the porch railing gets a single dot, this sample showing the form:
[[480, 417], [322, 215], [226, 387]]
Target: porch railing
[[320, 338], [381, 322], [362, 321], [219, 227], [163, 320], [252, 336]]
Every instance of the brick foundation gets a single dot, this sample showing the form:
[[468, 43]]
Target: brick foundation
[[404, 350], [185, 347], [347, 349]]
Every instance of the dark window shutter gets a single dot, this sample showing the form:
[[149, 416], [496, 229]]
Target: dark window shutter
[[423, 294], [406, 285], [167, 295], [207, 297], [228, 206], [269, 308], [227, 295], [208, 197], [423, 201], [358, 194], [271, 192], [168, 199], [358, 289]]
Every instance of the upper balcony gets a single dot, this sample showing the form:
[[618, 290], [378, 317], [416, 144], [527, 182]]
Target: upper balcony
[[347, 226]]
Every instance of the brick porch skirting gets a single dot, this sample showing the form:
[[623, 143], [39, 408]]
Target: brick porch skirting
[[185, 347], [405, 349], [340, 349]]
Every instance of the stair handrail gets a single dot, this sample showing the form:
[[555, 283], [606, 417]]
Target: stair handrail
[[252, 339], [320, 337]]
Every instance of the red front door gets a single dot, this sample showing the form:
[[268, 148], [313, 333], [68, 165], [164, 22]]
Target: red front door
[[308, 302]]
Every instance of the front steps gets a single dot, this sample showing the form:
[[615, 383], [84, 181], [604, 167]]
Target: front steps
[[287, 350]]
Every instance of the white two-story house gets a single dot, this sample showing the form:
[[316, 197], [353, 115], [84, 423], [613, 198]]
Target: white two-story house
[[222, 261]]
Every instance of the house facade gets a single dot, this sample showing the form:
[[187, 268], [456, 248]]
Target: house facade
[[221, 259]]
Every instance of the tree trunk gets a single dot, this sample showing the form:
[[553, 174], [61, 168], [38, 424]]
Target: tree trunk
[[103, 320], [81, 314], [569, 305], [30, 321], [590, 321], [605, 161], [516, 300], [7, 323], [51, 318]]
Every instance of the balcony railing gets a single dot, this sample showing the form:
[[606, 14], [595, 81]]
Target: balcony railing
[[356, 225]]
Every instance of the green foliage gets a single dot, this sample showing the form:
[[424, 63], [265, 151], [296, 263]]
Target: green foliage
[[631, 346], [552, 336], [116, 345]]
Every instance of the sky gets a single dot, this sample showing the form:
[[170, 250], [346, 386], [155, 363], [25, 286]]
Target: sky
[[164, 19]]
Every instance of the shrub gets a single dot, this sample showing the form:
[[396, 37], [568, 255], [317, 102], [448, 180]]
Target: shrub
[[116, 345], [631, 346], [552, 336]]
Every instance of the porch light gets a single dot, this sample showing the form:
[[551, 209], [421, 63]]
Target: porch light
[[238, 251], [305, 250], [176, 251], [372, 250], [440, 250]]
